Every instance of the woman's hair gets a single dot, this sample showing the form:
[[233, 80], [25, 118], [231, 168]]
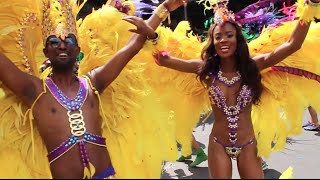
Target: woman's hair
[[247, 67]]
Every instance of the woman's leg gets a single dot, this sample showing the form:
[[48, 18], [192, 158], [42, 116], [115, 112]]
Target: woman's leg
[[219, 163], [314, 115], [195, 144], [249, 163], [312, 125], [201, 155]]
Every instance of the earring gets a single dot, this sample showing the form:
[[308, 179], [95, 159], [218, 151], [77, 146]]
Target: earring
[[45, 65], [80, 56]]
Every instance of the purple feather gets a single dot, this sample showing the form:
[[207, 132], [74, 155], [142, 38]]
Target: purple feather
[[144, 8]]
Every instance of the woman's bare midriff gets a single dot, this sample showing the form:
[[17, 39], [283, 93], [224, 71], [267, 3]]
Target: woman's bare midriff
[[220, 129]]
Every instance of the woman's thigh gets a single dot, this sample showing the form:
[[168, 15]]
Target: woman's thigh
[[249, 164], [219, 163]]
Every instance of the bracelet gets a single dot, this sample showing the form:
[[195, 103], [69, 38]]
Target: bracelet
[[162, 12], [307, 10], [155, 40], [310, 3]]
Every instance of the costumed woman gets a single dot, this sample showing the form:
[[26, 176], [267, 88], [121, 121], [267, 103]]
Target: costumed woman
[[60, 125], [235, 88]]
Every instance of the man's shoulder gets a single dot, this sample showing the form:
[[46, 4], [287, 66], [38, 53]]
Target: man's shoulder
[[31, 89]]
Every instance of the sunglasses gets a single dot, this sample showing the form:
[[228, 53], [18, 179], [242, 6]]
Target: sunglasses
[[56, 42]]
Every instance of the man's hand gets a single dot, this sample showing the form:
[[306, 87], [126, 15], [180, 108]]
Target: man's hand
[[172, 5], [142, 27]]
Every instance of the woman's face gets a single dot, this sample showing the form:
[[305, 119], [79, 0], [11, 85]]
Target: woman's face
[[225, 41]]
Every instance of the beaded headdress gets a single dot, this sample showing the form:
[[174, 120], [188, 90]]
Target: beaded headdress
[[253, 19], [221, 12], [58, 19]]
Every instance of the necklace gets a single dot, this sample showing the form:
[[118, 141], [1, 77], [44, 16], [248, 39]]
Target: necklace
[[227, 82], [73, 106], [68, 103]]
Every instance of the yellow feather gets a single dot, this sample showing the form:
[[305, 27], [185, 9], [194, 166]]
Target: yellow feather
[[287, 174]]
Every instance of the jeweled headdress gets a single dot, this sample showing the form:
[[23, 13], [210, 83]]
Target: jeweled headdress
[[221, 12], [253, 19], [58, 19]]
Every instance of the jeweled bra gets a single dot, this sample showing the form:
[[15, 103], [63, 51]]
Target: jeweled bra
[[232, 112], [78, 130]]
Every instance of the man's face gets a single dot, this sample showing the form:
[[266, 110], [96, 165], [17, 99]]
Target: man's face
[[62, 53]]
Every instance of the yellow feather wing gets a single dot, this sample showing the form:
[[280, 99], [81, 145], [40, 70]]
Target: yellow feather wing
[[20, 41], [285, 96], [139, 129], [20, 34], [181, 92]]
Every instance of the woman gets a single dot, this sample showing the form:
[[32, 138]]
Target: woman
[[233, 80], [313, 124], [199, 152]]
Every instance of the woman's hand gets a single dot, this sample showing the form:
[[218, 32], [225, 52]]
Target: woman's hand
[[161, 57], [142, 27]]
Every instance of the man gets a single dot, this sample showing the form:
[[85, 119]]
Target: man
[[73, 98]]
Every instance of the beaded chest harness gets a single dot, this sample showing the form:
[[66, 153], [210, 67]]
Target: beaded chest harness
[[232, 112], [73, 106], [77, 125]]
